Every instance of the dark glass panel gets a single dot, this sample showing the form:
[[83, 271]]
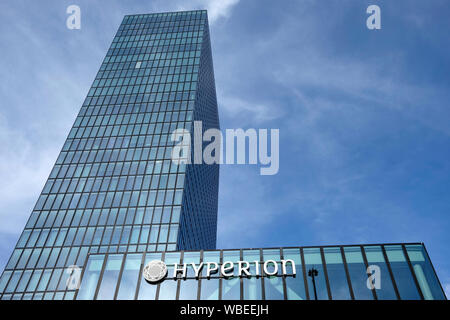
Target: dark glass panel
[[188, 289], [209, 289], [313, 261], [358, 273], [130, 276], [426, 277], [91, 277], [375, 258], [336, 274], [402, 273], [231, 288], [295, 285]]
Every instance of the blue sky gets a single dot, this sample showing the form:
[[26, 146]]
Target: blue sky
[[363, 115]]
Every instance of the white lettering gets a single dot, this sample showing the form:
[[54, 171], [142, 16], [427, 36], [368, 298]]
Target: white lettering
[[244, 269], [227, 269], [266, 268], [209, 269]]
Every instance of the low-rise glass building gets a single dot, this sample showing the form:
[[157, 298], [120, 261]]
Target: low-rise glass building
[[361, 272]]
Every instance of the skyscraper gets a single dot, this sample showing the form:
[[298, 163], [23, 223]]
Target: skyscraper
[[114, 187], [118, 219]]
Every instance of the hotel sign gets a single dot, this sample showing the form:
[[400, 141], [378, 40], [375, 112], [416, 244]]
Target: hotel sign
[[155, 271]]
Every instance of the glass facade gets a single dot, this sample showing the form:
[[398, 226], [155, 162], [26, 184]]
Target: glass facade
[[116, 201], [114, 188], [342, 274]]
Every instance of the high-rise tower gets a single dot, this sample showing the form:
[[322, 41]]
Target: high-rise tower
[[114, 187], [123, 221]]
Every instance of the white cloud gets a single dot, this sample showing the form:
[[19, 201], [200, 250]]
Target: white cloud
[[247, 112], [23, 170], [216, 8], [219, 8]]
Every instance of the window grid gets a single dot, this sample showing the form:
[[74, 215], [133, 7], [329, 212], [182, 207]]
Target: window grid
[[263, 279], [115, 163]]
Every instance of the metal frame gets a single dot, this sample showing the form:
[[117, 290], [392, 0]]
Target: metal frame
[[432, 266], [261, 278], [405, 253], [347, 273], [391, 273]]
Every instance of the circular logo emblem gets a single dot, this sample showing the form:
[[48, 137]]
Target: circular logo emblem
[[155, 271]]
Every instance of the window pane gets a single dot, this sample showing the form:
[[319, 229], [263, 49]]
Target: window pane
[[231, 289], [34, 280], [210, 256], [24, 281], [252, 288], [170, 259], [253, 257], [210, 289], [274, 288], [426, 277], [336, 274], [110, 276], [4, 280], [313, 261], [358, 273], [375, 257], [232, 256], [188, 289], [295, 285], [44, 280], [90, 277], [168, 290], [130, 276], [13, 281], [402, 274]]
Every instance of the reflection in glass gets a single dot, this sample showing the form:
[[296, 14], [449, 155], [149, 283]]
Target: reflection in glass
[[110, 276], [188, 258], [44, 280], [4, 280], [168, 290], [232, 256], [210, 289], [210, 256], [402, 274], [313, 261], [253, 257], [130, 276], [252, 288], [358, 273], [295, 284], [426, 277], [34, 280], [273, 287], [188, 289], [271, 254], [375, 257], [147, 291], [336, 274], [24, 281], [231, 288], [90, 277], [54, 280]]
